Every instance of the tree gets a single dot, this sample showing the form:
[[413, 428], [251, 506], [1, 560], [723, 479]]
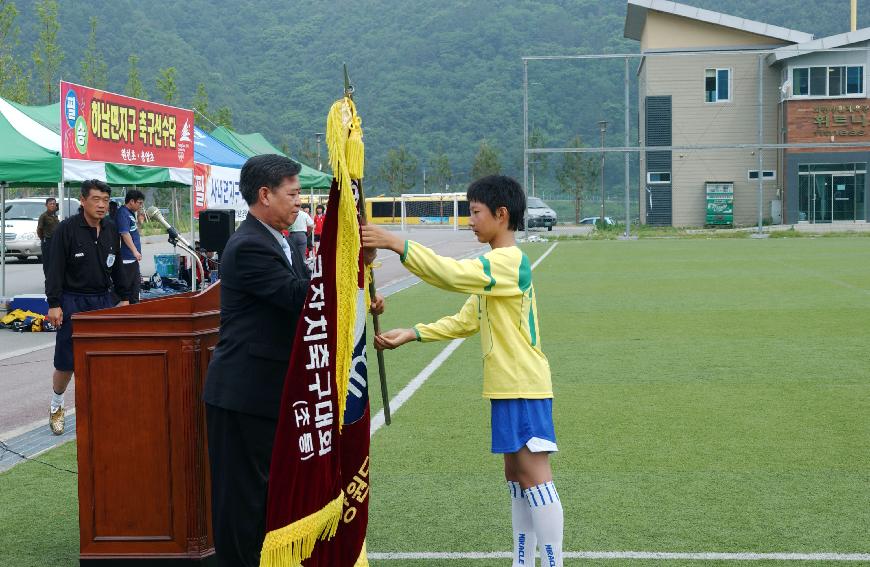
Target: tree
[[577, 175], [166, 84], [135, 88], [223, 117], [13, 81], [538, 163], [47, 55], [95, 71], [200, 103], [441, 174], [399, 170], [485, 162]]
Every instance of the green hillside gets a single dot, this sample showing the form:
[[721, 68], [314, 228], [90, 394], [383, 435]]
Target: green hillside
[[432, 76]]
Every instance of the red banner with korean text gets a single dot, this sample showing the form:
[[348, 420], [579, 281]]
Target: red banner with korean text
[[306, 495], [102, 126]]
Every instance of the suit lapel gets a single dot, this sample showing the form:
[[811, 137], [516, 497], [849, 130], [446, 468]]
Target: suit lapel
[[257, 226]]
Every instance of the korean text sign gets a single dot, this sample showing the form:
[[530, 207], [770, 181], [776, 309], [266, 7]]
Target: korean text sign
[[102, 126]]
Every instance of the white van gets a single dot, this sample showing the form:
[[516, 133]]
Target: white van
[[21, 218]]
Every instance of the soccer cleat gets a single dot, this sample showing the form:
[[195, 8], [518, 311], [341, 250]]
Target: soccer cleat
[[56, 421]]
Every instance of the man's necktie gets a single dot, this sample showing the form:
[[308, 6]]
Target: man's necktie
[[287, 251]]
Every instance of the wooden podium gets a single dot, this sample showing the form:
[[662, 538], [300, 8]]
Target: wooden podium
[[144, 488]]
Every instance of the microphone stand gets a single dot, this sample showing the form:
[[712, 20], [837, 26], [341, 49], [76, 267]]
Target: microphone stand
[[173, 239]]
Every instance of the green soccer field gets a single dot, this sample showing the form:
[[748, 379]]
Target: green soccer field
[[711, 396]]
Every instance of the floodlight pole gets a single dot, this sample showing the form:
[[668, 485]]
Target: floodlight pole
[[627, 167], [602, 125], [318, 136], [3, 242], [526, 144], [760, 142]]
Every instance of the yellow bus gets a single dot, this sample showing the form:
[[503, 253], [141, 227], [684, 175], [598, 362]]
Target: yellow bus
[[432, 209]]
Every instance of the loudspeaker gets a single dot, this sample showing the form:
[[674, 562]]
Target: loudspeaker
[[215, 228]]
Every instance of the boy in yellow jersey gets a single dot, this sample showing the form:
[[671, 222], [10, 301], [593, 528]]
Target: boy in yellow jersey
[[516, 374]]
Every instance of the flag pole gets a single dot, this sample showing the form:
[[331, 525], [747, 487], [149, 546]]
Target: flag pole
[[382, 370]]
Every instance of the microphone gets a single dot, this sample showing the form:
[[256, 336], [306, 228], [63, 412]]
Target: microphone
[[173, 234]]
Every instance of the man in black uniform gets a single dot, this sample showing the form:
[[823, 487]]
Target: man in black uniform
[[83, 267], [45, 228]]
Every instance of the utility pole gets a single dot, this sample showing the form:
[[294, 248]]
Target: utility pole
[[602, 126], [317, 137]]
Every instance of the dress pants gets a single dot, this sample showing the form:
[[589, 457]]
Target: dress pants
[[240, 452]]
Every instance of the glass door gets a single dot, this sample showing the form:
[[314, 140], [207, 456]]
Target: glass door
[[822, 194], [843, 200]]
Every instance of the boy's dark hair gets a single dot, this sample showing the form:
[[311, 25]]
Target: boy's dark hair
[[50, 200], [89, 184], [319, 209], [306, 208], [496, 191], [134, 195], [267, 170]]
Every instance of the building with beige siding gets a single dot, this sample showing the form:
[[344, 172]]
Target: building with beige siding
[[707, 78]]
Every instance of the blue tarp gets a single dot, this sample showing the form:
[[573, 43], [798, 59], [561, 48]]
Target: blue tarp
[[210, 151]]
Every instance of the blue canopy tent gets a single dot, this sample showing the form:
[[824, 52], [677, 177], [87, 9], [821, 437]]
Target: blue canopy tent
[[211, 151]]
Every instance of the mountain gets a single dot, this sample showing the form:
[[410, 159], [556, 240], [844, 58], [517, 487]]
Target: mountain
[[433, 76]]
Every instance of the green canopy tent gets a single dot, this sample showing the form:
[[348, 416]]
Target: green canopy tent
[[255, 144]]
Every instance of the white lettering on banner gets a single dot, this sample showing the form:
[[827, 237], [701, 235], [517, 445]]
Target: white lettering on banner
[[303, 416], [306, 446], [357, 381], [325, 441], [318, 357], [199, 190], [316, 293], [317, 269], [319, 324], [316, 386]]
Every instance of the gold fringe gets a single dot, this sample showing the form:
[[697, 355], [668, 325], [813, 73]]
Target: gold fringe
[[288, 546], [342, 124], [363, 560], [355, 151]]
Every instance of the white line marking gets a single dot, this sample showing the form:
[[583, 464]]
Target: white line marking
[[635, 555], [24, 351], [414, 385]]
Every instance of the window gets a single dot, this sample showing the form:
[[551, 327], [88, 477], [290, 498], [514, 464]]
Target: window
[[767, 174], [834, 81], [717, 85], [658, 177]]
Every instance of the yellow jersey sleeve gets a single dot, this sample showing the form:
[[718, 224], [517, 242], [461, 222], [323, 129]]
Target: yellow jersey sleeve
[[463, 324], [495, 273]]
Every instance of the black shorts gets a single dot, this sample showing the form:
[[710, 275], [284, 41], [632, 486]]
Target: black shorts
[[316, 238], [72, 303]]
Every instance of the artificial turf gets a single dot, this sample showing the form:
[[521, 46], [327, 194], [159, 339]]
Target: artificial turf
[[711, 396]]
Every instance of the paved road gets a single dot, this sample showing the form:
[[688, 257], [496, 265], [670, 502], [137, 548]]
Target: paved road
[[25, 378]]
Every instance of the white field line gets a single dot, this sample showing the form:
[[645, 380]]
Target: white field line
[[414, 385], [634, 555]]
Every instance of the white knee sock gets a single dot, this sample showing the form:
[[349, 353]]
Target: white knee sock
[[524, 530], [548, 520], [56, 400]]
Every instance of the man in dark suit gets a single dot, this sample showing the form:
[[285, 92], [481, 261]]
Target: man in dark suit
[[263, 286]]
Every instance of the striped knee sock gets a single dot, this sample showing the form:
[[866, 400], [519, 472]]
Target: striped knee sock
[[546, 509], [524, 530]]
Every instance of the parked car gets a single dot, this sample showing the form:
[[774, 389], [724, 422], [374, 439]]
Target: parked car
[[21, 218], [594, 220], [539, 214]]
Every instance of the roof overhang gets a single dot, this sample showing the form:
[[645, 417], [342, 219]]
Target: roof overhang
[[830, 42], [635, 19]]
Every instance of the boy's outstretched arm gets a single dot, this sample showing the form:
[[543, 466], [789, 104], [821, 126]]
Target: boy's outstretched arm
[[477, 276], [394, 338]]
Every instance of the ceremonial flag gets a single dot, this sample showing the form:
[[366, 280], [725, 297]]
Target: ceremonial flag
[[314, 483]]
